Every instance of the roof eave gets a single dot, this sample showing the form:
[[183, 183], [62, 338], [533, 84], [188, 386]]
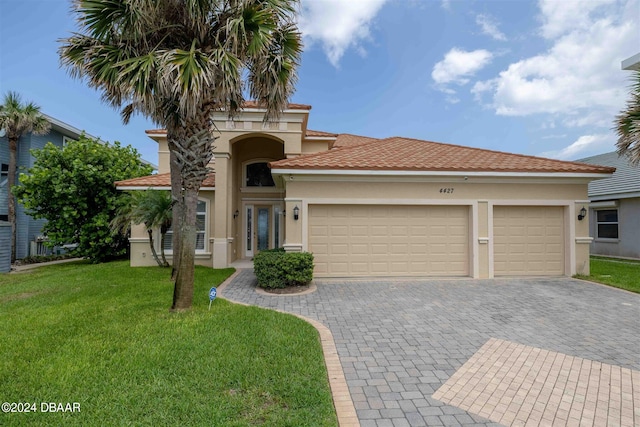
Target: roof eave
[[153, 187], [369, 172]]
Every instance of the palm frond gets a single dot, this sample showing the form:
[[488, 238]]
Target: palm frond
[[627, 124]]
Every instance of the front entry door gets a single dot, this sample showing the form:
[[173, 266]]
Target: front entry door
[[262, 228]]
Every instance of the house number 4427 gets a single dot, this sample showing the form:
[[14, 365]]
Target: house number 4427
[[446, 190]]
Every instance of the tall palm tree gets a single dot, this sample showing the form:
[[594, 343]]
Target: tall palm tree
[[176, 62], [17, 119], [628, 124], [151, 208]]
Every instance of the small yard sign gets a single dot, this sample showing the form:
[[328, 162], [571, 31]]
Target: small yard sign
[[212, 295]]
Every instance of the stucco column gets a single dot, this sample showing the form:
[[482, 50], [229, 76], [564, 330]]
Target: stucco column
[[582, 239], [483, 241], [294, 227], [221, 216]]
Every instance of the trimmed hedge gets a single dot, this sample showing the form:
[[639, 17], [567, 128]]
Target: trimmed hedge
[[276, 268]]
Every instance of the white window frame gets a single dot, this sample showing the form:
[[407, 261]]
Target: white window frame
[[598, 223], [205, 249], [66, 140]]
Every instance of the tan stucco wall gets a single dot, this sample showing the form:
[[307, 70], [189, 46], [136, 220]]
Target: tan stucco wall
[[309, 147], [481, 194], [141, 255]]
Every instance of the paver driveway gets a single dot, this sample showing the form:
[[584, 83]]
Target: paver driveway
[[399, 341]]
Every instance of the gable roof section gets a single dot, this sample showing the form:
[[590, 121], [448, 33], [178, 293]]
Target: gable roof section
[[624, 183], [405, 154], [160, 181]]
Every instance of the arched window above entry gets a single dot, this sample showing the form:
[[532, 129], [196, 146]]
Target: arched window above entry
[[258, 175]]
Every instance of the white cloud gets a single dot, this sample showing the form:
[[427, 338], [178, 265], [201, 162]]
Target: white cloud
[[585, 146], [560, 17], [489, 26], [338, 24], [458, 65], [579, 77]]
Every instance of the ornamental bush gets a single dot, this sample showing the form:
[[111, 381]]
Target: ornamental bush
[[72, 187], [276, 268]]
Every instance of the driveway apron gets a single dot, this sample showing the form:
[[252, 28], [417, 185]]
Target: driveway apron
[[536, 343]]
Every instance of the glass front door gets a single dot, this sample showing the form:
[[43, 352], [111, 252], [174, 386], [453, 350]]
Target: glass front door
[[263, 225], [263, 221]]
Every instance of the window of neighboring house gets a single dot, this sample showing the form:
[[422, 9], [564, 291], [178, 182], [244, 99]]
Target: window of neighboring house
[[259, 175], [607, 224], [4, 174], [66, 140], [201, 229]]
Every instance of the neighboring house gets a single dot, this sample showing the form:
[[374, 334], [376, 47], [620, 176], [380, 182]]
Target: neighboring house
[[380, 207], [29, 230], [614, 212]]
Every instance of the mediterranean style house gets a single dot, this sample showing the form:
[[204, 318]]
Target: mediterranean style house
[[381, 207]]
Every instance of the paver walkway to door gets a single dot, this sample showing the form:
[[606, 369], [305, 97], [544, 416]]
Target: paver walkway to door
[[427, 352]]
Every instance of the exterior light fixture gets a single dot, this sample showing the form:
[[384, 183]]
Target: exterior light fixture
[[296, 213], [236, 214], [582, 214]]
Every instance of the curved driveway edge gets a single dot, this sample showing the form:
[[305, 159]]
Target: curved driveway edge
[[345, 411], [400, 340]]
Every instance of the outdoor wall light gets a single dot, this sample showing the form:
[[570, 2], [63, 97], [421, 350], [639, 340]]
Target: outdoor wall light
[[582, 214], [236, 214], [296, 213]]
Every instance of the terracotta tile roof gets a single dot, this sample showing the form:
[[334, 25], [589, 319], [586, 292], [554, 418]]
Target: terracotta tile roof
[[405, 154], [320, 133], [348, 140], [290, 106], [159, 181]]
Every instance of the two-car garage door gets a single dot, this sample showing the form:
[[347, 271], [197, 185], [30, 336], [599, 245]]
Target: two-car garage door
[[396, 240], [389, 240]]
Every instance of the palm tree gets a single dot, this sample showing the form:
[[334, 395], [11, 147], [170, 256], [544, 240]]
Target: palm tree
[[176, 62], [151, 208], [628, 124], [17, 119]]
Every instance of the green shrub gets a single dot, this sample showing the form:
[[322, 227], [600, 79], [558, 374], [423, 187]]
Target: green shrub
[[279, 269]]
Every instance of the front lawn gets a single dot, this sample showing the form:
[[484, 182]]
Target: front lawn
[[621, 273], [102, 336]]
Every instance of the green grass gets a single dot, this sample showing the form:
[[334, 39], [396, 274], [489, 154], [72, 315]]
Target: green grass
[[103, 336], [621, 273]]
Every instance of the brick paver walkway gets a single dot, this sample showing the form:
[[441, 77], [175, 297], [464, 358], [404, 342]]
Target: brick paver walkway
[[514, 384], [401, 341]]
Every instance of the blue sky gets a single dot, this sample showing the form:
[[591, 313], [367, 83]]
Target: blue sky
[[531, 77]]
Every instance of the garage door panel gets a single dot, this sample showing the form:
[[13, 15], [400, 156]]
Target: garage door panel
[[528, 240], [390, 240]]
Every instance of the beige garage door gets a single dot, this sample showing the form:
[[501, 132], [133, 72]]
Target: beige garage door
[[528, 240], [365, 240]]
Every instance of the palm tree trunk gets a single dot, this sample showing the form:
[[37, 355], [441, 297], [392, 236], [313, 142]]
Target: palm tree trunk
[[193, 151], [178, 202], [163, 236], [183, 290], [11, 181], [153, 249]]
